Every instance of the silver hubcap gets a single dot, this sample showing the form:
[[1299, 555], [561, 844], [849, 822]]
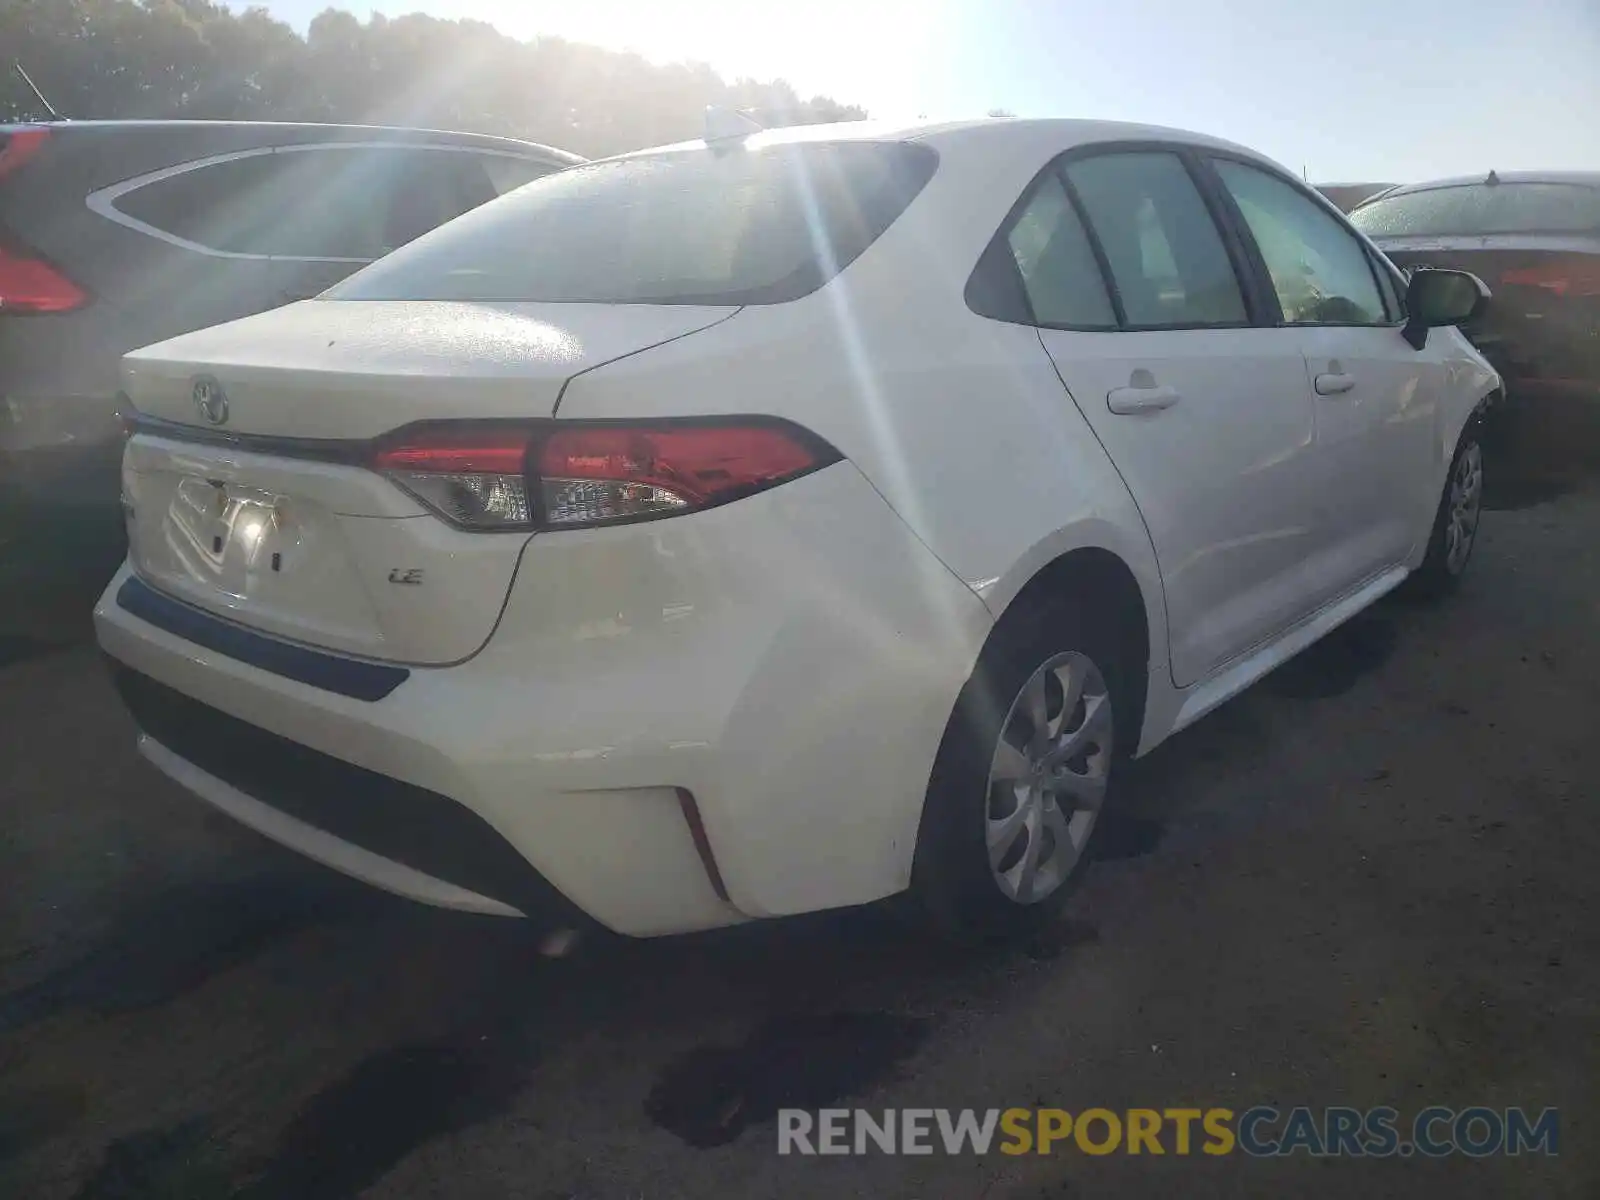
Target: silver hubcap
[[1048, 777], [1466, 503]]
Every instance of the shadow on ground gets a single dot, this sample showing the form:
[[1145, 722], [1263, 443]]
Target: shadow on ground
[[1544, 445], [170, 942]]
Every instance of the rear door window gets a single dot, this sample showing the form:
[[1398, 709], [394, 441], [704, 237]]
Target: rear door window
[[360, 203], [751, 225], [335, 202], [426, 188], [377, 200], [1167, 258]]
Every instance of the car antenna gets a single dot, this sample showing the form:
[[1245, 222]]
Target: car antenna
[[729, 125], [1492, 180], [34, 88]]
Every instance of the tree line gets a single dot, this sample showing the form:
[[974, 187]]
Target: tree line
[[199, 59]]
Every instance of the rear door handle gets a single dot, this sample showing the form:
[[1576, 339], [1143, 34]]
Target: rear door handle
[[1334, 384], [1130, 400]]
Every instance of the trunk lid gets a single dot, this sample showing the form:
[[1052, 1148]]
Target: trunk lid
[[353, 369], [270, 518]]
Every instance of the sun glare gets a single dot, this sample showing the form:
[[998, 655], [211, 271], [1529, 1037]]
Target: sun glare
[[869, 54]]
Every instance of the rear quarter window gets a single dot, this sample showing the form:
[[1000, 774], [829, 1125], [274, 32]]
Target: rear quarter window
[[352, 203], [754, 225], [1055, 264], [295, 203], [223, 206]]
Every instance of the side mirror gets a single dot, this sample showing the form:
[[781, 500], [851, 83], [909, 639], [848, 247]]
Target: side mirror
[[1437, 297]]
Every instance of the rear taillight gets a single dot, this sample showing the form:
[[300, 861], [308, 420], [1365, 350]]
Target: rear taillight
[[31, 285], [17, 148], [1578, 276], [607, 473], [556, 475], [473, 476]]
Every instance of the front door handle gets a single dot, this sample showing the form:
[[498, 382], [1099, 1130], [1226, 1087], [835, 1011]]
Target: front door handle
[[1130, 400], [1334, 383]]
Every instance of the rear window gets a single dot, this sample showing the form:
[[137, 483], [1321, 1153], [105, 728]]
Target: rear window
[[1481, 208], [742, 226]]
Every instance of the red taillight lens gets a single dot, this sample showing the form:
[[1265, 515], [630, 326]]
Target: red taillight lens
[[609, 473], [29, 285], [1578, 276], [19, 147], [488, 476]]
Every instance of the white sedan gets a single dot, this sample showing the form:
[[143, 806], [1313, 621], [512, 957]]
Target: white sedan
[[782, 522]]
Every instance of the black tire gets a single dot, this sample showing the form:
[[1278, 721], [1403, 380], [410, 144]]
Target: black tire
[[1441, 570], [952, 882]]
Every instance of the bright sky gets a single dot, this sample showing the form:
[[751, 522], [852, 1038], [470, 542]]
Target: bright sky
[[1353, 90]]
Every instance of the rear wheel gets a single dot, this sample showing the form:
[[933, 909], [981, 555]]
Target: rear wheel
[[1455, 525], [1021, 777]]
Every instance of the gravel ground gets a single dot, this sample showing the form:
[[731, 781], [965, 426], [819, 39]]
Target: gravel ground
[[1369, 880]]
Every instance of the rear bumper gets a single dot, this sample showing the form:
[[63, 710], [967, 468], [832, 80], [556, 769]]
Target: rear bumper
[[787, 662], [398, 785], [388, 833], [316, 843]]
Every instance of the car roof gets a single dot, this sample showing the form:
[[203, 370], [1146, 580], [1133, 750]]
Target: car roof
[[340, 132], [1067, 132], [1026, 134]]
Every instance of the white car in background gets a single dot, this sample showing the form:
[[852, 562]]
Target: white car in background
[[754, 527]]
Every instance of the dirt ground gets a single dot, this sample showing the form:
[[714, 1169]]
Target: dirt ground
[[1369, 880]]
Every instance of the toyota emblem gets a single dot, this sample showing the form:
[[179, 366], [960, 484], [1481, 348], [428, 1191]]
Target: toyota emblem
[[210, 400]]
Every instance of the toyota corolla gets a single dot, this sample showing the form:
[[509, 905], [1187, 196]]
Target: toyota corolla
[[782, 521]]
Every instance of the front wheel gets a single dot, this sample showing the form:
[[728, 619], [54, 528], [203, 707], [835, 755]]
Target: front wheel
[[1455, 525], [1021, 778]]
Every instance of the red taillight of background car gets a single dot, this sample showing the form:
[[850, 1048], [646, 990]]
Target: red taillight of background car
[[17, 148], [490, 476], [1567, 277], [30, 285]]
